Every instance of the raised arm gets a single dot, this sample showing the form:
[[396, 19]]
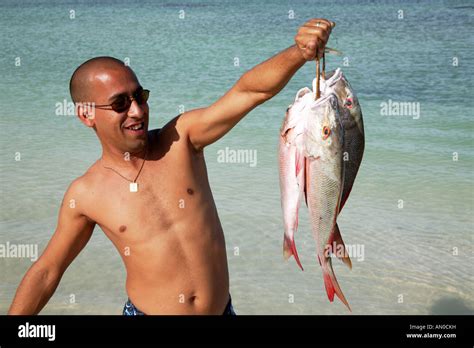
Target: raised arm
[[72, 234], [206, 125]]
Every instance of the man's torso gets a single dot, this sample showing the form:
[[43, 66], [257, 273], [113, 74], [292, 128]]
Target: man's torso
[[168, 233]]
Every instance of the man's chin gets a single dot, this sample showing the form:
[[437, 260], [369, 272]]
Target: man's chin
[[137, 145]]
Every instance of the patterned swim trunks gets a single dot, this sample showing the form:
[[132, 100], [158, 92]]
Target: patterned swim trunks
[[130, 309]]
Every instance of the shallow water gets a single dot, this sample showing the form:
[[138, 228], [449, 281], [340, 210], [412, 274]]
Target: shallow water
[[417, 259]]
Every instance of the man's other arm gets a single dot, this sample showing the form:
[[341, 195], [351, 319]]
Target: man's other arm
[[72, 233]]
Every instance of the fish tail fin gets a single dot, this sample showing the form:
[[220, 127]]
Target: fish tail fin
[[344, 257], [289, 248], [331, 284]]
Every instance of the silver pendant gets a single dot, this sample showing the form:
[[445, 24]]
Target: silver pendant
[[133, 187]]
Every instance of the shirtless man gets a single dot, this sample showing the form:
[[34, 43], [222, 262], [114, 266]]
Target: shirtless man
[[149, 192]]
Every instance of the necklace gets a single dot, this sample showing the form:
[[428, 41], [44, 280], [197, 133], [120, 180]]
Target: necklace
[[133, 183]]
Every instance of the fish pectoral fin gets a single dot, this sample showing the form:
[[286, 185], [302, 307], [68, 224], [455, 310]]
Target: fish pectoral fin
[[299, 159], [289, 248], [342, 255]]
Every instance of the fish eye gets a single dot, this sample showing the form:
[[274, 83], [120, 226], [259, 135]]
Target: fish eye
[[326, 132]]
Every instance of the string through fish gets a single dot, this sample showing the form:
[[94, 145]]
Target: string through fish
[[319, 74], [318, 92], [324, 66]]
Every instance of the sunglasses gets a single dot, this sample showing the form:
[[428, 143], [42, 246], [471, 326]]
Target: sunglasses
[[123, 102]]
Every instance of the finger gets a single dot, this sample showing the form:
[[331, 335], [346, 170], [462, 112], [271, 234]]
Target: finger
[[307, 40], [317, 46], [317, 31], [320, 22], [320, 31], [312, 41], [320, 52], [312, 48], [307, 47], [321, 49]]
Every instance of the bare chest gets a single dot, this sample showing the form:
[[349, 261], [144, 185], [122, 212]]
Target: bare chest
[[169, 192]]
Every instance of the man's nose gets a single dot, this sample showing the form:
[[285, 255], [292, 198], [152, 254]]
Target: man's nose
[[136, 110]]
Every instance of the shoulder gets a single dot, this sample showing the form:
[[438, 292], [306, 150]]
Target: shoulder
[[185, 120], [79, 186], [80, 192], [89, 180], [178, 128]]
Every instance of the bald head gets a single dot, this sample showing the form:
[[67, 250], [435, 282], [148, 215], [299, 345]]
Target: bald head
[[84, 76]]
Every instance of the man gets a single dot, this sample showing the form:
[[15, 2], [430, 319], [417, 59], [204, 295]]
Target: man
[[149, 192]]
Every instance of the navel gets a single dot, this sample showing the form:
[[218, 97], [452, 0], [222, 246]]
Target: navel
[[122, 228]]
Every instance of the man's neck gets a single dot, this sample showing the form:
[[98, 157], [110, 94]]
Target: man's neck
[[126, 160]]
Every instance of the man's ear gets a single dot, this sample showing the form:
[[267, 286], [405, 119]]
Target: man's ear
[[86, 113]]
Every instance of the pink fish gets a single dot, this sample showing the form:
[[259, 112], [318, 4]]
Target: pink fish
[[321, 147], [291, 161], [324, 138]]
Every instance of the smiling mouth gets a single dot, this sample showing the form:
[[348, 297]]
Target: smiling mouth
[[136, 127]]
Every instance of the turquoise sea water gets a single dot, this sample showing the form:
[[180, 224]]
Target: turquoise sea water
[[417, 259]]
